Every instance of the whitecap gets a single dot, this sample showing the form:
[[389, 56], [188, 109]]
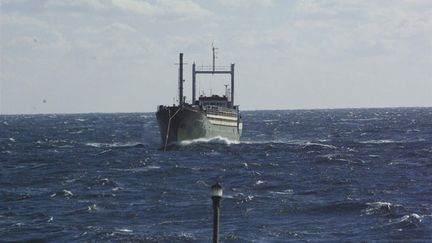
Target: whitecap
[[76, 132], [112, 145], [96, 145], [67, 193], [259, 182], [381, 141], [378, 206], [409, 218], [65, 146], [12, 140], [104, 181], [71, 180], [92, 207], [64, 192], [202, 183], [105, 151], [125, 230], [320, 145], [413, 130], [284, 192], [140, 169]]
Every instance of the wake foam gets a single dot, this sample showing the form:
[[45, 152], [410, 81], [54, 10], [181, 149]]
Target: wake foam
[[215, 140], [303, 143]]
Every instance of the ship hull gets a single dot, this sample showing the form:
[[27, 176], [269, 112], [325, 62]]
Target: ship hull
[[178, 124]]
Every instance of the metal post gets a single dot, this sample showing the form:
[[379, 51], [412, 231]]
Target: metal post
[[216, 197], [181, 80], [216, 218], [193, 83], [232, 85]]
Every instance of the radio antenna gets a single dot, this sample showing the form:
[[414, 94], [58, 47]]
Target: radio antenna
[[214, 57]]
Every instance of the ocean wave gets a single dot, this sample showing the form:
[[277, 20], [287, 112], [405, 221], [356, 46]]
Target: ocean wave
[[381, 141], [311, 145], [171, 237], [283, 192], [65, 193], [307, 145], [114, 145], [412, 218], [347, 206], [385, 208], [140, 169], [328, 208], [337, 159], [76, 132]]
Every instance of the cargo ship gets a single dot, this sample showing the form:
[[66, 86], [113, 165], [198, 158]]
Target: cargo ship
[[206, 116]]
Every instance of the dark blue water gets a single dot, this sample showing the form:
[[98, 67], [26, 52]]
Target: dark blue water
[[319, 175]]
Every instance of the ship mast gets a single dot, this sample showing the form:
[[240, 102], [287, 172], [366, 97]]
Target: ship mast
[[212, 71], [214, 57], [180, 84]]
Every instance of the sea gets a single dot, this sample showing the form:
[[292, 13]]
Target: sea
[[295, 175]]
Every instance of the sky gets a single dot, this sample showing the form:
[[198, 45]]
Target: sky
[[78, 56]]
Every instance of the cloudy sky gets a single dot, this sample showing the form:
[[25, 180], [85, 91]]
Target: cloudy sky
[[64, 56]]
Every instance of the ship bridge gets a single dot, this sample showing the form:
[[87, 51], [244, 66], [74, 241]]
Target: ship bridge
[[214, 100]]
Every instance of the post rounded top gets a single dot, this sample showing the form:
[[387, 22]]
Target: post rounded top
[[217, 190]]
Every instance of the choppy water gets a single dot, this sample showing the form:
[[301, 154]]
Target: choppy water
[[363, 174]]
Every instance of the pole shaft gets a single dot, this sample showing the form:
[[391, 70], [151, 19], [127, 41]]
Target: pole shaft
[[181, 79], [216, 218]]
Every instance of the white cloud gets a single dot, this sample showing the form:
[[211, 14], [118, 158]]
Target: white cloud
[[141, 7], [26, 34], [113, 42], [186, 8], [164, 8], [306, 47], [19, 19], [95, 4], [7, 2], [247, 3]]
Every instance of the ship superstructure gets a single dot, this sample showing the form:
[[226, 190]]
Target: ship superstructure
[[206, 117]]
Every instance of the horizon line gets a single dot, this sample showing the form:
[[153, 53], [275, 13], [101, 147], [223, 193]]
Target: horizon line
[[247, 110]]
